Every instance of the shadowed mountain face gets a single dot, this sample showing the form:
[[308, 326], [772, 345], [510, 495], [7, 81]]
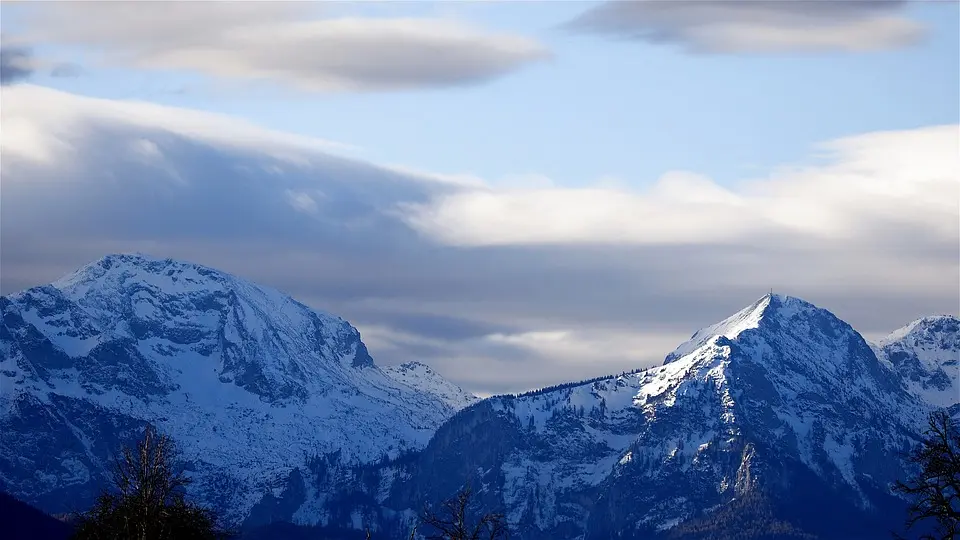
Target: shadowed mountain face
[[248, 382], [782, 412]]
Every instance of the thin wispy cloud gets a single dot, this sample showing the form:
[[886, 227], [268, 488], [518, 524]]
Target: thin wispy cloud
[[293, 43], [500, 288], [756, 26]]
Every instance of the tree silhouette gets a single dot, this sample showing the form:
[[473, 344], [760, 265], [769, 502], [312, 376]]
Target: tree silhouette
[[935, 490], [148, 500], [455, 520]]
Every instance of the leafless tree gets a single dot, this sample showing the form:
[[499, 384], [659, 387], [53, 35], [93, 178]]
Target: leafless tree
[[148, 501], [145, 474], [455, 520], [935, 490]]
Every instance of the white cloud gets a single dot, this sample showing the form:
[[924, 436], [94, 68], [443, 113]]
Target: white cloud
[[285, 42], [301, 201], [908, 178], [39, 123], [869, 34], [764, 26], [530, 339], [573, 347], [147, 149]]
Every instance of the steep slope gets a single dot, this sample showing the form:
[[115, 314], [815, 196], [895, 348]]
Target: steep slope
[[926, 354], [782, 411], [247, 381]]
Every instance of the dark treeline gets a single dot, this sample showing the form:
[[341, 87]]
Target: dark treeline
[[554, 388]]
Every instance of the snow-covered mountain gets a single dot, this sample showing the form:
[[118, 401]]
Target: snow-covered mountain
[[778, 420], [249, 382], [926, 353]]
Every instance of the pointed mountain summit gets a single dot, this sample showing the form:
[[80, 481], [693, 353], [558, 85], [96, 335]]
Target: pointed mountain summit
[[248, 382], [779, 418], [800, 345], [771, 309]]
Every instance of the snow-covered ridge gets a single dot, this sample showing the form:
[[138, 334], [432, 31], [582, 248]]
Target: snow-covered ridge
[[730, 327], [938, 330], [269, 344], [421, 377], [248, 381], [172, 277]]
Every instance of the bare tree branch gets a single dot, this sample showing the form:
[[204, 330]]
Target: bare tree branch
[[453, 522], [149, 503], [935, 490]]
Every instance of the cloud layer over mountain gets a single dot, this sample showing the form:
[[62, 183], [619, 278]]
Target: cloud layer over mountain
[[500, 288]]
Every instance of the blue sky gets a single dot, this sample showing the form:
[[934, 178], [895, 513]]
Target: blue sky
[[531, 192]]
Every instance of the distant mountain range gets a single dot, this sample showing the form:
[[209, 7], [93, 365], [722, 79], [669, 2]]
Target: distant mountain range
[[778, 422]]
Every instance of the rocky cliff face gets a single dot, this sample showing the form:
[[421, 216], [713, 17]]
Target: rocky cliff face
[[781, 411], [249, 382]]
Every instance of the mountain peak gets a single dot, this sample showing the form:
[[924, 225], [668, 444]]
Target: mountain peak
[[210, 359], [926, 354], [137, 265], [769, 306], [414, 365], [257, 337], [136, 259], [948, 325], [111, 282]]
